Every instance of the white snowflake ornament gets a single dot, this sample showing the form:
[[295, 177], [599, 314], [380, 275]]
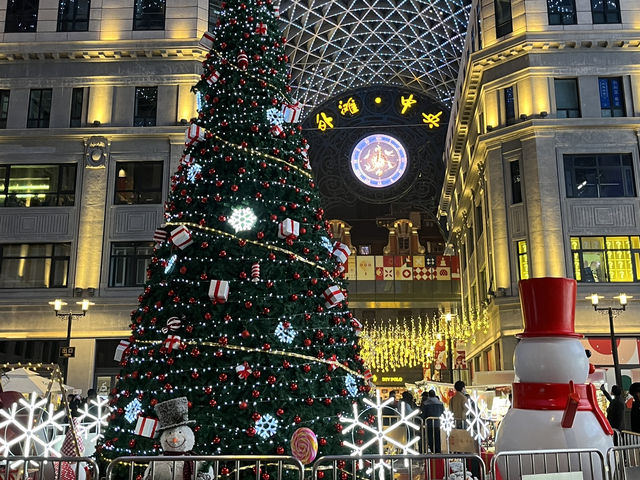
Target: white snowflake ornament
[[242, 219], [447, 422], [131, 411], [382, 435], [275, 116], [266, 426], [350, 384], [194, 170], [477, 426], [33, 423], [326, 243], [285, 334]]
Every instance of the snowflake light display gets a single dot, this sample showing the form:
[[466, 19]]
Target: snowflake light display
[[132, 410], [383, 435], [447, 422], [326, 243], [31, 423], [350, 384], [477, 426], [194, 170], [275, 116], [242, 219], [266, 426], [93, 416], [170, 263], [285, 335]]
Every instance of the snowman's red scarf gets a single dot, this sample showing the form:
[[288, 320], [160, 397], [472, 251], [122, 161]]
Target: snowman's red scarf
[[569, 397], [187, 467]]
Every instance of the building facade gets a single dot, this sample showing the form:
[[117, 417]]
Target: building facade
[[542, 168]]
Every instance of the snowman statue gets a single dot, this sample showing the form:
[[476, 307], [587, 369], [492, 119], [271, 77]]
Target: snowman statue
[[176, 438], [552, 407]]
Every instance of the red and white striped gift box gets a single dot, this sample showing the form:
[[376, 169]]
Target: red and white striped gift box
[[181, 237], [333, 295], [121, 350], [207, 40], [219, 290], [288, 229], [212, 77], [171, 342], [146, 427], [194, 134], [341, 252], [160, 235], [292, 112]]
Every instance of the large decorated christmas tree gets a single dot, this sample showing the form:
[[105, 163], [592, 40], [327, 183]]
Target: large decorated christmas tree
[[244, 310]]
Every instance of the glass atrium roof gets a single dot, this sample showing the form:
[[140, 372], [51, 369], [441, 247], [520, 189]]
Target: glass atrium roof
[[334, 46]]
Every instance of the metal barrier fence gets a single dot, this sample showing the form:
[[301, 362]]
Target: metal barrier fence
[[232, 467], [625, 437], [624, 462], [404, 467], [513, 465], [48, 468]]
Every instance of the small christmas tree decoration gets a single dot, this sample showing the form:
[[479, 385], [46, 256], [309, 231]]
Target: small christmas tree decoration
[[171, 342], [146, 427], [261, 29], [289, 229], [194, 134], [181, 237], [292, 112], [243, 60], [206, 41], [341, 252], [160, 235], [219, 290], [121, 350], [213, 77], [332, 296], [255, 272]]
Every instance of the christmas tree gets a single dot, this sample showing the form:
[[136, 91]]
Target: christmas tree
[[243, 311]]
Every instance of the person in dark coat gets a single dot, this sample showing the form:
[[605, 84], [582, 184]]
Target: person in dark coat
[[634, 391], [615, 410], [430, 410]]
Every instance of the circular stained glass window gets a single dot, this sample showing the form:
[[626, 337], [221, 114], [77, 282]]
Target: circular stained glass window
[[379, 160]]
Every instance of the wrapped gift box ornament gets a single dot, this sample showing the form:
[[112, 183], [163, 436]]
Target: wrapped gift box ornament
[[194, 134], [341, 252], [219, 290], [121, 350], [206, 41], [146, 427], [181, 237], [332, 296], [289, 229]]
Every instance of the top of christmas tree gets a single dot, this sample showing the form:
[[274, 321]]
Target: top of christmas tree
[[244, 311]]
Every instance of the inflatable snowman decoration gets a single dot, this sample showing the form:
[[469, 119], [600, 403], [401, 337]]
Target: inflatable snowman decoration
[[177, 438], [552, 407]]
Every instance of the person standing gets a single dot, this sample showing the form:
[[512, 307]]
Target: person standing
[[634, 391], [431, 409], [615, 410], [457, 404]]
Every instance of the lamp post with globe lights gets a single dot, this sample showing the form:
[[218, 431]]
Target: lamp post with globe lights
[[613, 312]]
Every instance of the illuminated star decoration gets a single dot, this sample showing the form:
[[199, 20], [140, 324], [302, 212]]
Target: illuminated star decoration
[[93, 416], [132, 410], [242, 219], [447, 422], [285, 335], [477, 426], [33, 422], [350, 384], [275, 117], [170, 263], [382, 434], [194, 170], [266, 426]]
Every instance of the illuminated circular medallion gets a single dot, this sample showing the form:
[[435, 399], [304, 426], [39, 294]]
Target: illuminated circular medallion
[[379, 160]]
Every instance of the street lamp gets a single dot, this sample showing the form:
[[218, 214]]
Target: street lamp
[[613, 312], [57, 306]]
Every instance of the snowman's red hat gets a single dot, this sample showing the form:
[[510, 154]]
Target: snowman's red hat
[[548, 307]]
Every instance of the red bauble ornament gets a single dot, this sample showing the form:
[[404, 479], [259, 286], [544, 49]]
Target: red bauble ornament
[[306, 368], [251, 431], [243, 405], [255, 393], [280, 412], [245, 334], [297, 419], [280, 450], [271, 379], [322, 442], [309, 401], [293, 387], [222, 377]]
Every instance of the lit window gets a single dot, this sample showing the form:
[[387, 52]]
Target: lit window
[[37, 185], [73, 15], [138, 182], [599, 175], [606, 259], [523, 260], [34, 265], [562, 12], [611, 97], [39, 108], [605, 11], [149, 14], [4, 108], [146, 107], [22, 16], [567, 103], [128, 263]]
